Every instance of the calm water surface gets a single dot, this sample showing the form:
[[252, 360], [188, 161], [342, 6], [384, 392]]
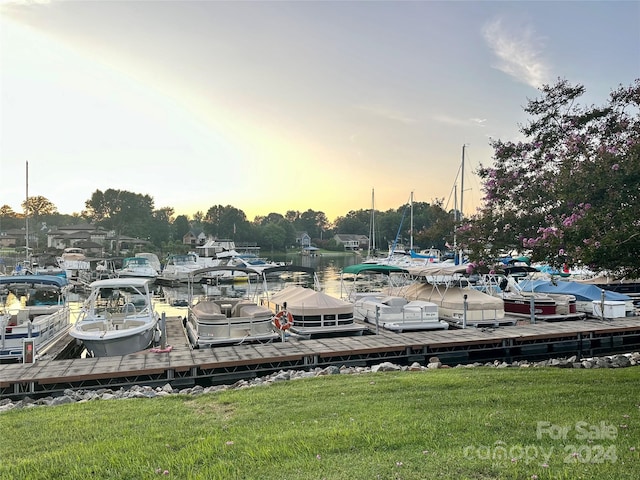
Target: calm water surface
[[328, 268]]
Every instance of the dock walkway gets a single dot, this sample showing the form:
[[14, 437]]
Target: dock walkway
[[183, 366]]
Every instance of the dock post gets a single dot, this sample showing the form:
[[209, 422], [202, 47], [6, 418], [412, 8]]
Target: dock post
[[602, 295], [464, 312], [532, 308], [163, 331], [377, 319]]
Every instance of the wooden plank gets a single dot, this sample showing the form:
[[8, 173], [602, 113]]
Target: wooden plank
[[183, 358]]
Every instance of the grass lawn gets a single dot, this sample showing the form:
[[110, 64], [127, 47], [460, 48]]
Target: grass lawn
[[480, 423]]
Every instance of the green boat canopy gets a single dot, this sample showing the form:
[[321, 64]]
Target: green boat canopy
[[373, 268]]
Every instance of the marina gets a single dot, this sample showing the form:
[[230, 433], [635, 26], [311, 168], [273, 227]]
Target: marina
[[178, 364], [289, 322]]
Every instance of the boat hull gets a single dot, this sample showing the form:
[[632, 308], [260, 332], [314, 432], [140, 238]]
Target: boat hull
[[118, 318], [111, 347], [522, 306]]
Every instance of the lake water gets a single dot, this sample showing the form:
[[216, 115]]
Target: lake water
[[173, 300]]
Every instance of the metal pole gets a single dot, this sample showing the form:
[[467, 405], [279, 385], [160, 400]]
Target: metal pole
[[532, 308], [464, 312], [26, 218], [3, 324], [163, 331]]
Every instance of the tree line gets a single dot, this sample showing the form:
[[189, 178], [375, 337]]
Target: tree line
[[134, 215], [567, 195]]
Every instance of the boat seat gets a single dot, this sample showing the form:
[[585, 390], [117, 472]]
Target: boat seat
[[207, 312], [237, 308], [207, 307], [251, 310], [132, 323]]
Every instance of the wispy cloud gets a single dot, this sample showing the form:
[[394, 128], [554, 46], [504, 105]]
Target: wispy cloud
[[25, 2], [459, 122], [387, 113], [518, 51]]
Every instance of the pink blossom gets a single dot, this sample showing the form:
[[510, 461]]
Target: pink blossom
[[615, 167]]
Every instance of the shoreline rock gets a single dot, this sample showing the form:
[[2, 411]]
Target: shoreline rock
[[145, 391]]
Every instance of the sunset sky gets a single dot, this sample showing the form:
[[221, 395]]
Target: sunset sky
[[273, 106]]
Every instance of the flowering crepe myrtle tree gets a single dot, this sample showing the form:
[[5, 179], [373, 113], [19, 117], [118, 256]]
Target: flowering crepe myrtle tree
[[568, 194]]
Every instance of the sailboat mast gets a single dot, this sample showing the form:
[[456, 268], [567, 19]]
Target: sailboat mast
[[461, 195], [411, 228], [372, 225], [455, 222], [462, 182], [26, 216]]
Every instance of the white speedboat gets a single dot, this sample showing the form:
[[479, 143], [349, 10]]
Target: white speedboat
[[73, 261], [153, 259], [180, 267], [118, 318], [33, 307], [138, 267]]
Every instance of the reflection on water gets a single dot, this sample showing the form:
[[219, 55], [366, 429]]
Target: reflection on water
[[328, 268], [174, 300]]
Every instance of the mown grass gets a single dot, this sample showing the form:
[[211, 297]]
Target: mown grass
[[450, 424]]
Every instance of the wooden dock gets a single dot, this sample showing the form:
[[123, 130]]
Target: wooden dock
[[183, 366]]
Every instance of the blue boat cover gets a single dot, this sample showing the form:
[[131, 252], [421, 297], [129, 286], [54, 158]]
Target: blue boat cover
[[40, 279], [582, 291]]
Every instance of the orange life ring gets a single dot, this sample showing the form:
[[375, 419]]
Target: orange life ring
[[278, 320]]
